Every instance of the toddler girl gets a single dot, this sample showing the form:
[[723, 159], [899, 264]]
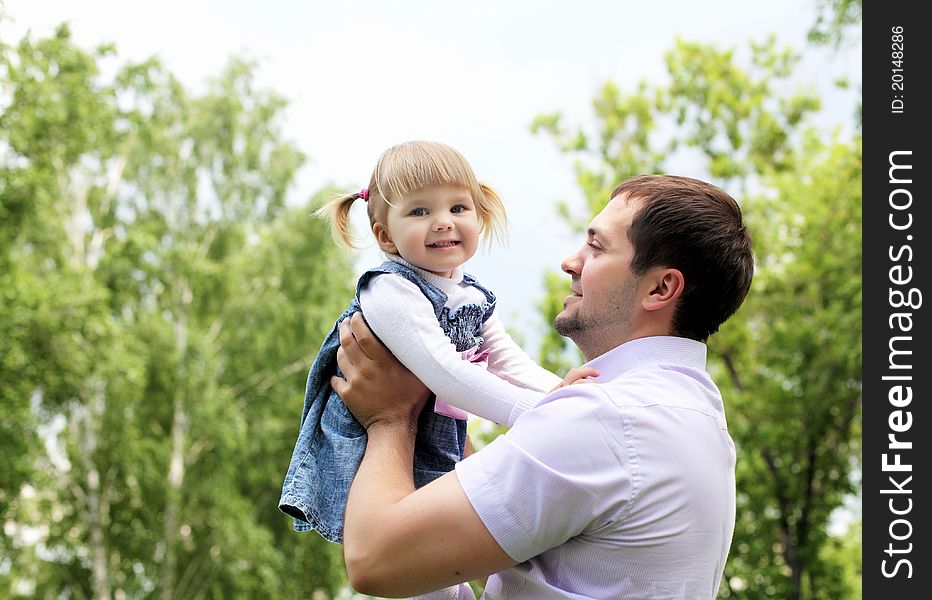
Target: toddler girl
[[427, 212]]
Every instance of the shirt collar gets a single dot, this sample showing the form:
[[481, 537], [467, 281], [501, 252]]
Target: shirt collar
[[654, 350], [455, 278]]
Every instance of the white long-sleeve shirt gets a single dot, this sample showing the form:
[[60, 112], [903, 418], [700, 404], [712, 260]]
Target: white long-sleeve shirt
[[403, 318]]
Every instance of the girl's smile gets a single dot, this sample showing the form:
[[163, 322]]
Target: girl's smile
[[444, 244], [435, 228]]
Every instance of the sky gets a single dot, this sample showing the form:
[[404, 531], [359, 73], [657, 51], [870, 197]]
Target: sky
[[364, 75]]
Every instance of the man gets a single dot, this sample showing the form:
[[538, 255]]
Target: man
[[621, 488]]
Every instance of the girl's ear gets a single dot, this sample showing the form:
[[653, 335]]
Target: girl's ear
[[383, 238], [665, 286]]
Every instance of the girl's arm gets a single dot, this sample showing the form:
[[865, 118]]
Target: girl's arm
[[509, 361], [400, 315]]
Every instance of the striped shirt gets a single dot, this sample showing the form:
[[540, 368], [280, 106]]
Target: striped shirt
[[620, 489]]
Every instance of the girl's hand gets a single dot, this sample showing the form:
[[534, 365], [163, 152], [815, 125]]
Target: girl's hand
[[469, 449], [577, 375]]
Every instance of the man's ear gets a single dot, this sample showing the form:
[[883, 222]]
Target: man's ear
[[664, 287], [383, 238]]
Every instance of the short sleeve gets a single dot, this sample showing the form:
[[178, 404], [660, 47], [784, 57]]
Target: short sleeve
[[563, 469]]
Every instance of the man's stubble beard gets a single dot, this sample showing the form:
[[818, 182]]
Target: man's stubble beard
[[568, 325], [589, 332]]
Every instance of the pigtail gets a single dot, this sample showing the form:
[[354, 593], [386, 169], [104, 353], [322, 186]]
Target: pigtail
[[337, 212], [492, 214]]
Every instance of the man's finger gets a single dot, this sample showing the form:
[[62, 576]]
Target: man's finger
[[339, 385], [350, 345], [346, 333], [367, 342], [345, 364]]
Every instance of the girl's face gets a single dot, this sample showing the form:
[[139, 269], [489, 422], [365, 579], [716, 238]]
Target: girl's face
[[434, 228]]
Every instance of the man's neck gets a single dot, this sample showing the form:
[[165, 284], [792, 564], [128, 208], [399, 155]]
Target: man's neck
[[592, 349]]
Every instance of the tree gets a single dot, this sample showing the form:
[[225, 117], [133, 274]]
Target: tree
[[792, 366], [835, 19], [727, 120], [788, 363], [162, 306]]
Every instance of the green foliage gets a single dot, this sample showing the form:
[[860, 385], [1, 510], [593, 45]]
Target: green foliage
[[835, 20], [789, 362], [735, 117], [160, 309], [728, 119], [843, 555]]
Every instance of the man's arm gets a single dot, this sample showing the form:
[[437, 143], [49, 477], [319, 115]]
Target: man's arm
[[403, 319], [399, 541]]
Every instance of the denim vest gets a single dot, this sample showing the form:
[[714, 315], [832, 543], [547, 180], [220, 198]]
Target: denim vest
[[331, 442]]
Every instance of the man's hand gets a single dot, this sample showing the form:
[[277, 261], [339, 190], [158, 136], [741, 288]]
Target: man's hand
[[376, 388], [397, 541]]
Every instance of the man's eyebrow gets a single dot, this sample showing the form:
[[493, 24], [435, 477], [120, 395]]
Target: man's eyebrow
[[594, 233]]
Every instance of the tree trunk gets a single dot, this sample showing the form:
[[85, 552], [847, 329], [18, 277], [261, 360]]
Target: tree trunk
[[97, 508], [176, 467], [796, 572], [173, 496]]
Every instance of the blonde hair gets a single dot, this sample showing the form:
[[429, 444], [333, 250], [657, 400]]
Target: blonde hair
[[407, 168]]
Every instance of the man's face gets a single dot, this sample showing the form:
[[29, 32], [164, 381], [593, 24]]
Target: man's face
[[600, 313]]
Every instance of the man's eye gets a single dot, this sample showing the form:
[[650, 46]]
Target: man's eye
[[418, 212], [593, 246]]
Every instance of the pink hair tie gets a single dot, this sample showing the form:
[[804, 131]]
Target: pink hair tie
[[364, 194]]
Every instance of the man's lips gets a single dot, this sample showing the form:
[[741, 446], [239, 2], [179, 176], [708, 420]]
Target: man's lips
[[573, 296]]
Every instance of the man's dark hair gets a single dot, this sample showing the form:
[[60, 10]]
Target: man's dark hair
[[695, 227]]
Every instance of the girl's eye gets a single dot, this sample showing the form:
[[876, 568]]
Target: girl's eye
[[418, 212], [458, 209], [593, 246]]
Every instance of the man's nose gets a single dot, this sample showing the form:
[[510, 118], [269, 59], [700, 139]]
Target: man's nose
[[572, 264]]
